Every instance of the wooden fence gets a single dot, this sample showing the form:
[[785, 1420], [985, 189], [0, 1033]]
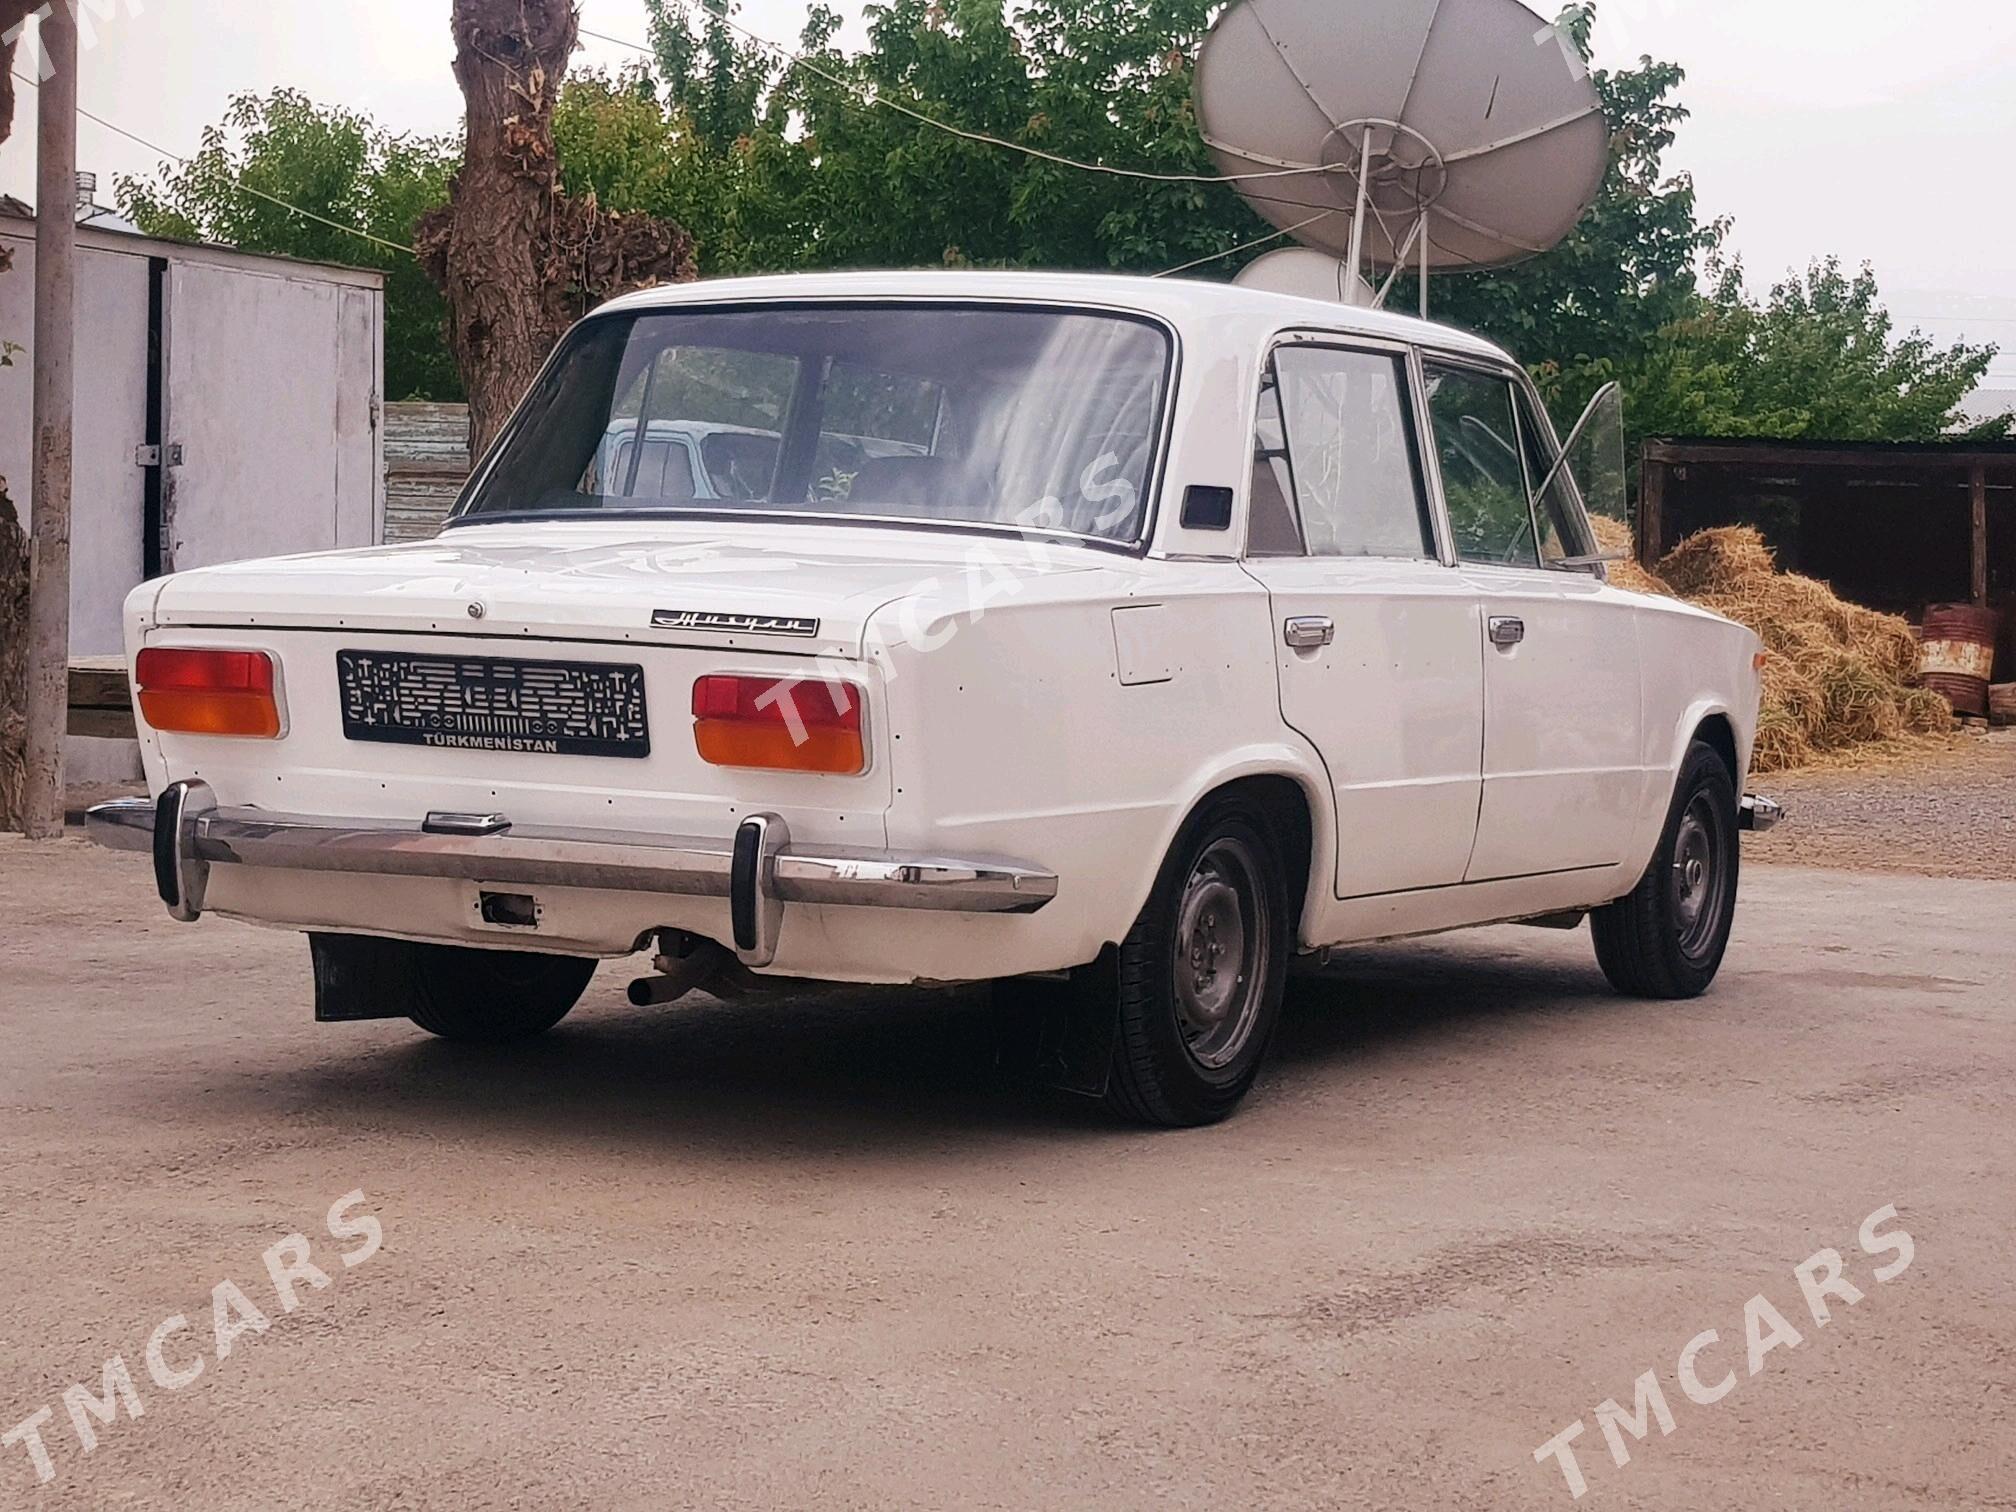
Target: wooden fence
[[426, 464]]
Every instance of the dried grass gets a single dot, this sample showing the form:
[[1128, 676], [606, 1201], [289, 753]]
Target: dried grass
[[1840, 687], [1614, 538]]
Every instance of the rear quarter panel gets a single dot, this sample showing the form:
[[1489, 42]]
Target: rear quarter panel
[[1015, 734]]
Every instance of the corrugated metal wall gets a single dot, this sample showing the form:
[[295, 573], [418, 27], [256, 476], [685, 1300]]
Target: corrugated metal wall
[[426, 464]]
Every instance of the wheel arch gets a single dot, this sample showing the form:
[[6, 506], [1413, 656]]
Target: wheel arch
[[1712, 720], [1716, 730], [1294, 793]]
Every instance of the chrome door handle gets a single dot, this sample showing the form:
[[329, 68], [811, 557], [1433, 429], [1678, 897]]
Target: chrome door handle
[[1507, 631], [1309, 631]]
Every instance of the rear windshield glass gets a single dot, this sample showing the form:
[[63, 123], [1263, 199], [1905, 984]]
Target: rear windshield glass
[[996, 415]]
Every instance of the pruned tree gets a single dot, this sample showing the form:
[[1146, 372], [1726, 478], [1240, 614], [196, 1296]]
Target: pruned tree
[[518, 259], [13, 542], [13, 661]]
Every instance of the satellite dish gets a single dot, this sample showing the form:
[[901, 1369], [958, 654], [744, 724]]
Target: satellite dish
[[1308, 274], [1446, 133]]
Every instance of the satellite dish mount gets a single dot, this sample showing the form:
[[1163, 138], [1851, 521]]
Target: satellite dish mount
[[1389, 165]]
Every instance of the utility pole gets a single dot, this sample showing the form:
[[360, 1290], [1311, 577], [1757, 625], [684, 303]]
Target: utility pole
[[48, 702]]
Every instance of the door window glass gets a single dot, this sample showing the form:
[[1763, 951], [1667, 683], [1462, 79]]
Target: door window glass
[[1272, 529], [1349, 428], [1477, 439], [1561, 533]]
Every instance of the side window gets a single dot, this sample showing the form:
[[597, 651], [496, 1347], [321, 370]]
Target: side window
[[1272, 529], [1477, 438], [1561, 529], [1337, 472]]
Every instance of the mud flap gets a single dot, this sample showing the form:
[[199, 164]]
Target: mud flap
[[359, 979], [1063, 1033]]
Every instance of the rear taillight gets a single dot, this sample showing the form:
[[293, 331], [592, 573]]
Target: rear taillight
[[194, 692], [793, 725]]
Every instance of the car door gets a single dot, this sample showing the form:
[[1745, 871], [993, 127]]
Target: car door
[[1564, 781], [1378, 640]]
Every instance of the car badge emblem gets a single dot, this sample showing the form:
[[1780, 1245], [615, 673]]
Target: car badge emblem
[[735, 624]]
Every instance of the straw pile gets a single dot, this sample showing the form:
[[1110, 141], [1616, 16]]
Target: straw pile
[[1841, 679]]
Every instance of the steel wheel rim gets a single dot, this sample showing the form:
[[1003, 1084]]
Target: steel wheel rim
[[1220, 965], [1700, 876]]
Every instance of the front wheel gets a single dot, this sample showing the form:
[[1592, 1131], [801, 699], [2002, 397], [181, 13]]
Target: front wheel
[[1199, 979], [1666, 939]]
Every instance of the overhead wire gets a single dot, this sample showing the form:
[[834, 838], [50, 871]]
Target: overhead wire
[[236, 183], [876, 101], [861, 99]]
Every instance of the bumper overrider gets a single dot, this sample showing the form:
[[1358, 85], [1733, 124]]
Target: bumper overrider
[[758, 870]]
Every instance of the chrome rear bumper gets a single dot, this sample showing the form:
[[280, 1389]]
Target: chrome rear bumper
[[757, 869], [1761, 814]]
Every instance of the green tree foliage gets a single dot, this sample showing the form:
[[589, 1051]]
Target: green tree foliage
[[1819, 359], [776, 166], [338, 165]]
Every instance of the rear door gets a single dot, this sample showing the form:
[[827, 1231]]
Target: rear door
[[1563, 777], [1378, 641]]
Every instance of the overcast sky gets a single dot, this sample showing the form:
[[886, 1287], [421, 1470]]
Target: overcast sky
[[1867, 128]]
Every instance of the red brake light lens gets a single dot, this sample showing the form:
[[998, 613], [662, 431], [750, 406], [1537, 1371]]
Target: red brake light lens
[[202, 692], [790, 725]]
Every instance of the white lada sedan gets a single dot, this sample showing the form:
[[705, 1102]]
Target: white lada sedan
[[1121, 640]]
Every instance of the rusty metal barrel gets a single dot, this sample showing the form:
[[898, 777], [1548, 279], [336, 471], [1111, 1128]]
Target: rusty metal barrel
[[1959, 655]]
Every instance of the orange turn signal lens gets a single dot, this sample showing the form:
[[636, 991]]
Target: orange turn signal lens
[[193, 692], [793, 725]]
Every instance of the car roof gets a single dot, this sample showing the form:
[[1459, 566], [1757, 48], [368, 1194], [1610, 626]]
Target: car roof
[[1184, 303]]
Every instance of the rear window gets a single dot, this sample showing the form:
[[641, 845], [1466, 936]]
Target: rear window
[[987, 415]]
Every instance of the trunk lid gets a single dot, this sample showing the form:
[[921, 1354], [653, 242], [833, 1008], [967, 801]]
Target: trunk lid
[[762, 587]]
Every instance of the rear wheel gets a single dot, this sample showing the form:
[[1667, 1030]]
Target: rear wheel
[[1199, 979], [1666, 939], [490, 997]]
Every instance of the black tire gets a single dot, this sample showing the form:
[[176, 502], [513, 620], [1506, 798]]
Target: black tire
[[1222, 886], [1667, 937], [490, 997]]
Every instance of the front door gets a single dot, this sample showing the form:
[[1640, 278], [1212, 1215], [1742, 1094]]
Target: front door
[[1379, 644], [1564, 779]]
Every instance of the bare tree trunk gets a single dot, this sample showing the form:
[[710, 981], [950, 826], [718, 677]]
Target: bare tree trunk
[[518, 260], [13, 540], [13, 662]]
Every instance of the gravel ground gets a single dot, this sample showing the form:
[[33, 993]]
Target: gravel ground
[[1950, 815], [818, 1252]]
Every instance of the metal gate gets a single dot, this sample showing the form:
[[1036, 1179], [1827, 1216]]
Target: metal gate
[[270, 416]]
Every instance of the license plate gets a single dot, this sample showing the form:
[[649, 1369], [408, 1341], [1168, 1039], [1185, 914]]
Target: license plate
[[483, 703]]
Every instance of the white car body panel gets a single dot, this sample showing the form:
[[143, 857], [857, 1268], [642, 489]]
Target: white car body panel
[[1397, 704], [1057, 702]]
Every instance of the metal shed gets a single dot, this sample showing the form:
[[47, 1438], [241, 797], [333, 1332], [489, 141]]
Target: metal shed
[[228, 407], [1898, 527]]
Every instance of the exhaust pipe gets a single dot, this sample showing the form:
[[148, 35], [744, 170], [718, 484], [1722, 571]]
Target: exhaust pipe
[[686, 964]]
